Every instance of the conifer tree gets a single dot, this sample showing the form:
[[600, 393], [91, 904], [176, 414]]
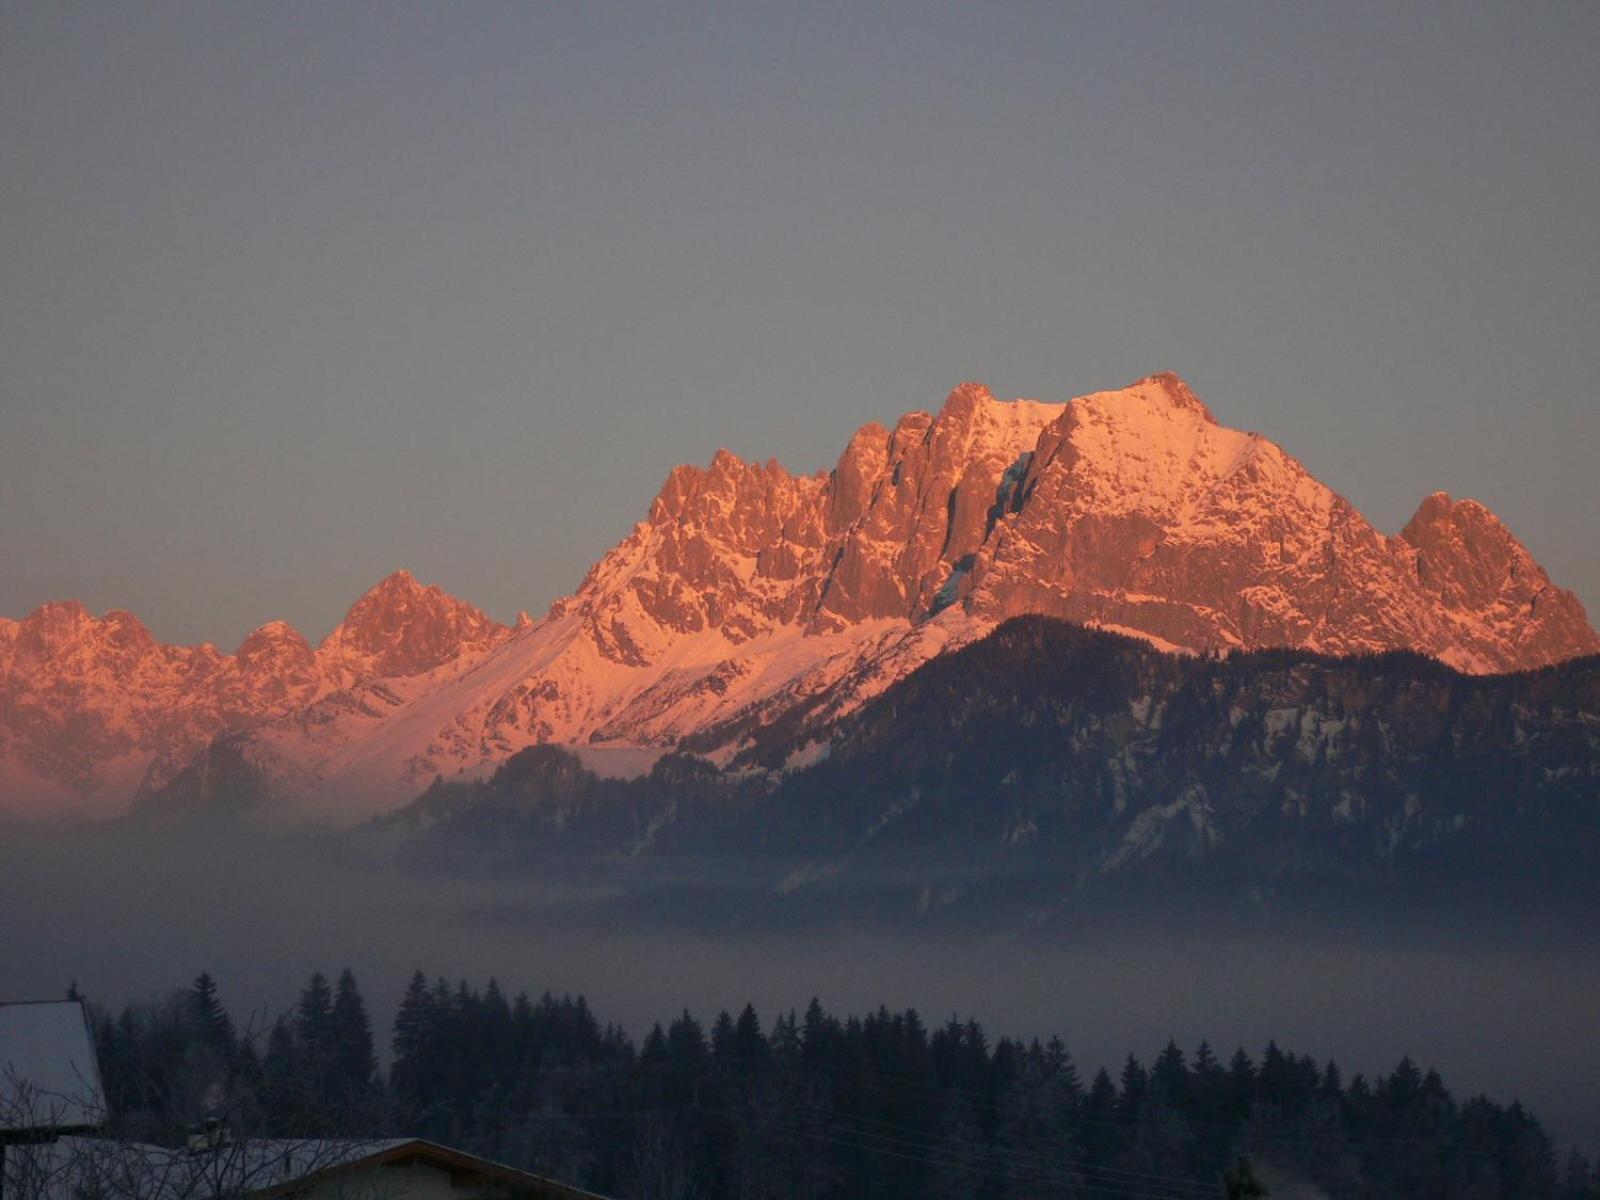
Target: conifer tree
[[413, 1025], [351, 1032], [1034, 1124], [1135, 1086], [749, 1047], [313, 1022], [1098, 1124], [283, 1098], [801, 1113], [1329, 1086], [208, 1020], [1170, 1075], [1275, 1081], [959, 1170], [1241, 1083]]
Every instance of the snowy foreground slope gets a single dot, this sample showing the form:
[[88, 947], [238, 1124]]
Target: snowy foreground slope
[[749, 595]]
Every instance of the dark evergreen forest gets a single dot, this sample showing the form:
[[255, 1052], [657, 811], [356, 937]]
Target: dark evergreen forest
[[811, 1104]]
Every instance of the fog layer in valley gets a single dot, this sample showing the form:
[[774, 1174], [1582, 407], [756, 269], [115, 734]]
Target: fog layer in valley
[[146, 912]]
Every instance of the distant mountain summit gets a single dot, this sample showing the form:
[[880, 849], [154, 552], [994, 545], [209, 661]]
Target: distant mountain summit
[[750, 596], [401, 627]]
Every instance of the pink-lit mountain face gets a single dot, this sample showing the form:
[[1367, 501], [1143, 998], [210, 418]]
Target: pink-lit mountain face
[[92, 709], [749, 594]]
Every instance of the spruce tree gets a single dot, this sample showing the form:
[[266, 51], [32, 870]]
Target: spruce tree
[[315, 1058], [352, 1038], [1241, 1084], [1170, 1075], [283, 1085], [1098, 1123], [208, 1020], [313, 1021], [412, 1022], [1135, 1086]]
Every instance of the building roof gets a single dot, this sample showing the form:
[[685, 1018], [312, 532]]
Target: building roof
[[49, 1076], [260, 1167], [463, 1167]]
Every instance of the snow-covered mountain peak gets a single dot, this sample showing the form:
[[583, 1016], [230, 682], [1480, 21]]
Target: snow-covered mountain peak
[[52, 627], [1170, 385], [750, 595], [402, 627], [274, 642], [1489, 590]]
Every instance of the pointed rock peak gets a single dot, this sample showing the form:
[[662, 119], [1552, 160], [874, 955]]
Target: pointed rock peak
[[396, 583], [1168, 386], [273, 639], [873, 433], [707, 490], [523, 620], [686, 483], [59, 612], [1439, 510], [275, 629], [972, 409], [728, 467], [1433, 507], [53, 627], [850, 485], [966, 398], [687, 479], [864, 454], [400, 590], [912, 427], [127, 630], [401, 627], [389, 605]]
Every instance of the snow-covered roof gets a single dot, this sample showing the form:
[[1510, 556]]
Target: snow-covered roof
[[72, 1167], [49, 1076]]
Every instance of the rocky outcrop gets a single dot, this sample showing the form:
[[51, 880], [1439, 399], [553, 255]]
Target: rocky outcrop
[[1495, 603]]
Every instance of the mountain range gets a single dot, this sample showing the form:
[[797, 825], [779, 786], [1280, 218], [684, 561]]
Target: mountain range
[[754, 608]]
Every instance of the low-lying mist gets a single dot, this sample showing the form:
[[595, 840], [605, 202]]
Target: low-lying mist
[[130, 914]]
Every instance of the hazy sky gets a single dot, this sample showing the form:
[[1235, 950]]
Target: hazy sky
[[292, 295]]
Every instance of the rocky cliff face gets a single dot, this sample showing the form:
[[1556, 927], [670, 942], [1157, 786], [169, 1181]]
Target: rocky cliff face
[[1133, 509], [1495, 606], [751, 598], [93, 709], [1138, 512]]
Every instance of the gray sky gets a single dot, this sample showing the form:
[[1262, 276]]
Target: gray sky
[[297, 294]]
